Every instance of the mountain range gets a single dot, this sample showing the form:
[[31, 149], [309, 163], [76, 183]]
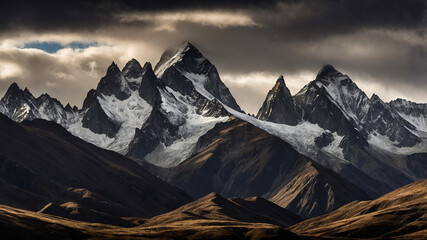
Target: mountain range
[[310, 153]]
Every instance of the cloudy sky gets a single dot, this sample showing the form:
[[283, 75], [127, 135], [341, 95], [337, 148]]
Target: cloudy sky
[[64, 49]]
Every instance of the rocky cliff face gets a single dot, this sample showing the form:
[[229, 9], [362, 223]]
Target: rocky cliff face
[[279, 105]]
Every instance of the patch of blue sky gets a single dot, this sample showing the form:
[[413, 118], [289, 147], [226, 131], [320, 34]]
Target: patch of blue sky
[[53, 47]]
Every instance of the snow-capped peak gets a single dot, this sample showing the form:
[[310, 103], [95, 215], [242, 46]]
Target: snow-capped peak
[[170, 57], [343, 92], [185, 69]]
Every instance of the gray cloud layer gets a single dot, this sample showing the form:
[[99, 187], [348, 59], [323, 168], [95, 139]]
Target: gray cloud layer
[[382, 45]]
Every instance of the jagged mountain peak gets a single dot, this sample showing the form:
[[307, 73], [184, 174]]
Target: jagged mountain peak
[[375, 97], [330, 75], [336, 93], [14, 91], [279, 106], [185, 70], [326, 71], [90, 97], [176, 54], [13, 87], [21, 105], [114, 83], [46, 98], [27, 93], [113, 68], [189, 48], [132, 69], [147, 69], [400, 100], [148, 89], [68, 108], [279, 82]]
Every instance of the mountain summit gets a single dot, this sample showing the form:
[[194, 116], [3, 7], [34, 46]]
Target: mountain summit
[[183, 68], [279, 105]]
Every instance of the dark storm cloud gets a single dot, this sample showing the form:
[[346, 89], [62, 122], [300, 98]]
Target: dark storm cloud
[[90, 15], [312, 18], [307, 17]]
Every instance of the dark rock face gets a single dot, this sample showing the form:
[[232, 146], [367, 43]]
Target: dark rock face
[[344, 92], [157, 129], [316, 107], [95, 118], [324, 140], [149, 84], [174, 79], [114, 83], [279, 105], [384, 120], [133, 71]]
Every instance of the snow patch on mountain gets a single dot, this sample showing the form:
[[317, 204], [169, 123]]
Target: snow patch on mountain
[[180, 111], [419, 122], [179, 53], [199, 81], [130, 113], [301, 137], [100, 140], [22, 113], [351, 101], [334, 149], [383, 143], [3, 108], [176, 111]]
